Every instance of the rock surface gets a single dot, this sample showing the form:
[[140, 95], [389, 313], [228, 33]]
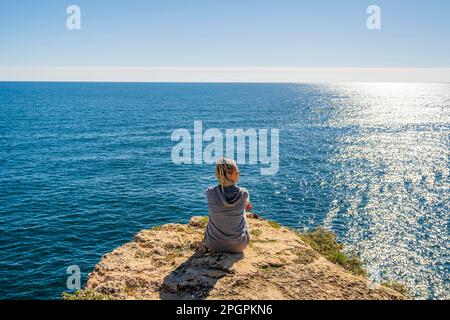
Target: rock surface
[[170, 262]]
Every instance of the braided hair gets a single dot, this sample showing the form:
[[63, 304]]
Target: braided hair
[[224, 167]]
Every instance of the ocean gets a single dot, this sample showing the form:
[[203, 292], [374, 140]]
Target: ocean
[[85, 166]]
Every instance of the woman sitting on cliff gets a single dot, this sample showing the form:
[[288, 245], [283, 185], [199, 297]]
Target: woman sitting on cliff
[[227, 226]]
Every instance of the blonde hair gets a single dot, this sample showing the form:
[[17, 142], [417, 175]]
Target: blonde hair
[[224, 167]]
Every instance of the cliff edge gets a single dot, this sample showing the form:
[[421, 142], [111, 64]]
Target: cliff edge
[[170, 262]]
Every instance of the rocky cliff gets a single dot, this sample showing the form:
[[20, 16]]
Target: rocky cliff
[[169, 262]]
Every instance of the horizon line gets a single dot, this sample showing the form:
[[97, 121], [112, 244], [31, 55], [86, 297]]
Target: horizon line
[[225, 74]]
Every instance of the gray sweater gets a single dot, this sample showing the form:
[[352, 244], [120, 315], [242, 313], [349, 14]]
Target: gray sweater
[[227, 226]]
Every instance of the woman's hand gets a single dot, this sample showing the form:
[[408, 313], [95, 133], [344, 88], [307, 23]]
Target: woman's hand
[[249, 207]]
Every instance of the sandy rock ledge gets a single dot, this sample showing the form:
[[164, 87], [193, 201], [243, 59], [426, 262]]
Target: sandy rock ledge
[[170, 262]]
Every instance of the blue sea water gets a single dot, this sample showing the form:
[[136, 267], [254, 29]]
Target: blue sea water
[[84, 166]]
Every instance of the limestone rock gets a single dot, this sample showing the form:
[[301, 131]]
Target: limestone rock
[[170, 262]]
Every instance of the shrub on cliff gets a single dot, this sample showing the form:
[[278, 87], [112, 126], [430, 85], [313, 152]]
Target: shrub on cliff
[[324, 242]]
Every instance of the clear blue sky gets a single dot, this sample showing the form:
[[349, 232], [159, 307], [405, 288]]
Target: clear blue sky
[[144, 33]]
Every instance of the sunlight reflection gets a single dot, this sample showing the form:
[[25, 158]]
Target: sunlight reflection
[[395, 161]]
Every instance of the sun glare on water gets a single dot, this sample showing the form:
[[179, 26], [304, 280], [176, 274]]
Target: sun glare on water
[[395, 164]]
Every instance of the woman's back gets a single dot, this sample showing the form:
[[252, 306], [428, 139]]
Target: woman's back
[[227, 226]]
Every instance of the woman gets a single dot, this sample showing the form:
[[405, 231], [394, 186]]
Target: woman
[[227, 226]]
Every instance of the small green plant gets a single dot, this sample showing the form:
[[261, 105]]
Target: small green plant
[[274, 224], [266, 268], [203, 221], [264, 241], [324, 242], [305, 256], [256, 232], [397, 286], [129, 290], [85, 295]]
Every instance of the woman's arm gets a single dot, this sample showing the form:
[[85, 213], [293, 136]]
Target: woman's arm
[[249, 207]]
